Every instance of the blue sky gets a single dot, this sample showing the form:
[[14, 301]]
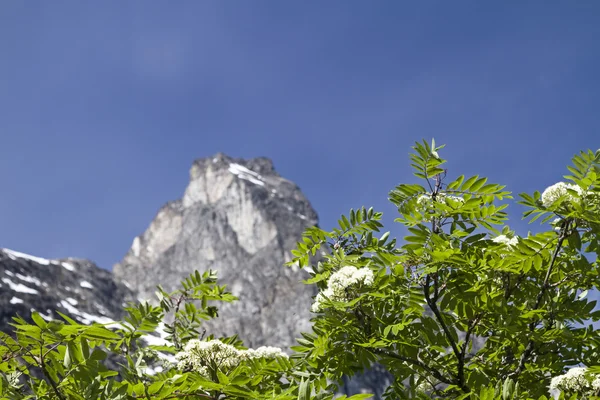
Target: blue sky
[[104, 105]]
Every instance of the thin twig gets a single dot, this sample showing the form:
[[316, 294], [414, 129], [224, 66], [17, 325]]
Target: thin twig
[[435, 373]]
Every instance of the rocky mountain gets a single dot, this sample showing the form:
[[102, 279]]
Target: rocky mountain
[[75, 287], [241, 219], [238, 217]]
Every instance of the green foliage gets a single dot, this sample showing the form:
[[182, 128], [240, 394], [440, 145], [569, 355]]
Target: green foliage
[[463, 309], [464, 302], [66, 360]]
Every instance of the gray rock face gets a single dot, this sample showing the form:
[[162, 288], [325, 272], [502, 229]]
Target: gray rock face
[[74, 287], [241, 219]]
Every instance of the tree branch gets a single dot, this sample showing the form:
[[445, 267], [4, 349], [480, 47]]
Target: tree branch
[[457, 352], [470, 330], [48, 378], [176, 342], [435, 373], [530, 345]]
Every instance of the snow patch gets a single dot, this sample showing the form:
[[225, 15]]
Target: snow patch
[[15, 300], [13, 255], [135, 247], [89, 318], [46, 317], [157, 340], [9, 273], [68, 266], [86, 284], [19, 287], [244, 173], [72, 301], [100, 308], [153, 371], [29, 279], [84, 317], [72, 310], [302, 216]]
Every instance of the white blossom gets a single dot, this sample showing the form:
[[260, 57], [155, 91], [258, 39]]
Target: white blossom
[[198, 354], [425, 202], [576, 380], [558, 190], [266, 352], [424, 387], [339, 282], [510, 242], [596, 384], [455, 198]]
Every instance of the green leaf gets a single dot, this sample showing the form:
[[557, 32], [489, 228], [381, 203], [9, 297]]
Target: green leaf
[[222, 378], [55, 326], [39, 321], [67, 361], [304, 390], [100, 332], [467, 185], [574, 240], [508, 389], [85, 348], [155, 387], [346, 223], [67, 318]]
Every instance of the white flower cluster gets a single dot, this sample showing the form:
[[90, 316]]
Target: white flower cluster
[[425, 201], [510, 242], [339, 282], [424, 387], [576, 380], [266, 352], [558, 190], [451, 197], [198, 355]]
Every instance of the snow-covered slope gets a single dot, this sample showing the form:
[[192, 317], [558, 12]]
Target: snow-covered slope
[[75, 287]]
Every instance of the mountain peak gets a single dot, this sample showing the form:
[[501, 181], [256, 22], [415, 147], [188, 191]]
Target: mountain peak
[[242, 219], [220, 161]]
